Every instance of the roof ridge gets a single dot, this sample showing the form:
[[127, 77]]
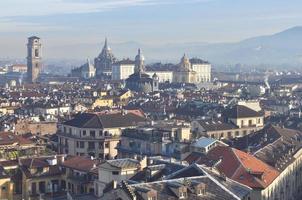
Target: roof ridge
[[31, 162], [239, 160], [222, 186], [94, 114]]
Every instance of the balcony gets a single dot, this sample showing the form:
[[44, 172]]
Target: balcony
[[80, 178], [107, 137]]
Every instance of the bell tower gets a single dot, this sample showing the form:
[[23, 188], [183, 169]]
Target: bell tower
[[34, 58]]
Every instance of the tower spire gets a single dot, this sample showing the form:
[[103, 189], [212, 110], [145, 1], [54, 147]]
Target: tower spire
[[106, 43], [139, 62]]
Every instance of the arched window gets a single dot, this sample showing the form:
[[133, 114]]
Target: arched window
[[36, 52]]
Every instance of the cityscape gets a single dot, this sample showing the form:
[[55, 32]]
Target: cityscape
[[134, 121]]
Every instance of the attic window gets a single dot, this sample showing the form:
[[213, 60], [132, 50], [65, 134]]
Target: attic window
[[201, 191], [182, 195], [115, 173]]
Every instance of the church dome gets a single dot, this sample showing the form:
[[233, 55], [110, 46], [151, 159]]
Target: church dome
[[185, 64]]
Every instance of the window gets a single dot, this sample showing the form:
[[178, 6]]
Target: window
[[91, 145], [107, 145], [115, 173], [201, 191], [101, 133], [182, 195], [36, 52], [70, 131], [33, 188], [42, 187], [84, 133], [152, 198], [101, 145], [82, 144], [92, 134]]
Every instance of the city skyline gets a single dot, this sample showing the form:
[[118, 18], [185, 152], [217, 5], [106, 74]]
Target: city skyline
[[83, 23]]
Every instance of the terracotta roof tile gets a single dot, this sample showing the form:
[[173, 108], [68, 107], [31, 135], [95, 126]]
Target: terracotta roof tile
[[80, 163], [239, 166]]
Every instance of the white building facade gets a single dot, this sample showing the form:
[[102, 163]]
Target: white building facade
[[163, 76], [203, 71], [122, 70]]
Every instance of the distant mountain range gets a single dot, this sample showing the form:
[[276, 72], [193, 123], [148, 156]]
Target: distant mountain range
[[280, 49], [273, 50]]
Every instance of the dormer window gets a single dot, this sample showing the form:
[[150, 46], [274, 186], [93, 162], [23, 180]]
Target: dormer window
[[201, 191], [182, 195]]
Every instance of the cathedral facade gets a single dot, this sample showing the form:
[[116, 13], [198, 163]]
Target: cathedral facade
[[103, 63], [139, 81], [184, 72]]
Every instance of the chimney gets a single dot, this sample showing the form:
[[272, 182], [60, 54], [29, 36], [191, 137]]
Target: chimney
[[152, 123], [114, 184], [143, 162]]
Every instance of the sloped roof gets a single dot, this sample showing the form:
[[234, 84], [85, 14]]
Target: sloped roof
[[126, 163], [80, 163], [240, 166], [111, 120], [8, 138], [216, 125], [204, 142], [240, 111]]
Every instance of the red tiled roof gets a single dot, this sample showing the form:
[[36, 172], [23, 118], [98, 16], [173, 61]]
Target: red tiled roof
[[80, 163], [240, 166], [255, 167], [34, 162], [8, 138]]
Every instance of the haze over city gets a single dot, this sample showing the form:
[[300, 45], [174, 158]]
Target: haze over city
[[150, 100], [75, 29]]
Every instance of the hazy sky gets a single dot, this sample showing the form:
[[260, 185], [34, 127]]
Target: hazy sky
[[73, 22]]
